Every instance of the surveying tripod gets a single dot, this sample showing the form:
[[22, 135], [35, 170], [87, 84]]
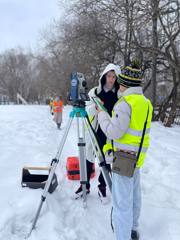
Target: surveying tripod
[[80, 113]]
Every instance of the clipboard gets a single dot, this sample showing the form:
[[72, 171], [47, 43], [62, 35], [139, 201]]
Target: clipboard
[[98, 102]]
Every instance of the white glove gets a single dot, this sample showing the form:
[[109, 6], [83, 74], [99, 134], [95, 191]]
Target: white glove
[[109, 156]]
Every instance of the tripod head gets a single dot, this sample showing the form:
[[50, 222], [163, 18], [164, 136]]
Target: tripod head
[[79, 104]]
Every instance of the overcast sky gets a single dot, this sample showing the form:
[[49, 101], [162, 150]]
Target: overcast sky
[[21, 21]]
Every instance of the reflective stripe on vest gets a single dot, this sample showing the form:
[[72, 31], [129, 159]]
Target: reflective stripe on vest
[[137, 133], [121, 146]]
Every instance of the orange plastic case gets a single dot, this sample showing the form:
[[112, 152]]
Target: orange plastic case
[[73, 170]]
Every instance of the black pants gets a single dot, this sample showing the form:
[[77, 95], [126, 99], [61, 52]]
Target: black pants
[[89, 171], [101, 139], [102, 183]]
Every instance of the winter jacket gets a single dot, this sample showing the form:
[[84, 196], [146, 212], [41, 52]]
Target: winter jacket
[[127, 115], [109, 98]]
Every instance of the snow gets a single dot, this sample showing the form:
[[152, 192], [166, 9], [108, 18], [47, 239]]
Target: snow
[[29, 138]]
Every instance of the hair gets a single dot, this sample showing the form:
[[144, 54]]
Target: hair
[[103, 80]]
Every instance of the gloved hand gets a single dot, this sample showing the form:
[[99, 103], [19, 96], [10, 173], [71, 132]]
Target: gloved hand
[[109, 156]]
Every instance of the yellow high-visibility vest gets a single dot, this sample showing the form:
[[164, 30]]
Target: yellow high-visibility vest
[[130, 141]]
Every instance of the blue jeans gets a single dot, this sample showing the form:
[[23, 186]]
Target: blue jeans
[[126, 200]]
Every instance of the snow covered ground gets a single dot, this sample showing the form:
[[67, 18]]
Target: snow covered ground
[[28, 136]]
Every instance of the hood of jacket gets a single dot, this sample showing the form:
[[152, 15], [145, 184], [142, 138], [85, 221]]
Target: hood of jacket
[[102, 79]]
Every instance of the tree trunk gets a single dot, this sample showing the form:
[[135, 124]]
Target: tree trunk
[[155, 6]]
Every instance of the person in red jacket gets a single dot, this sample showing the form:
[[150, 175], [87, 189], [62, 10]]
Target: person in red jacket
[[58, 109]]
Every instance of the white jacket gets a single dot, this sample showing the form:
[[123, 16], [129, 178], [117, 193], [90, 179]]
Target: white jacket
[[117, 126], [91, 110]]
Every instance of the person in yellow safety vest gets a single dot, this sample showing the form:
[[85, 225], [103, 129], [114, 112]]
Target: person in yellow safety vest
[[124, 131], [58, 109]]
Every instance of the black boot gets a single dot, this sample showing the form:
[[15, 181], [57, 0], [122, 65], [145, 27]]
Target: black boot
[[134, 235], [79, 190]]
